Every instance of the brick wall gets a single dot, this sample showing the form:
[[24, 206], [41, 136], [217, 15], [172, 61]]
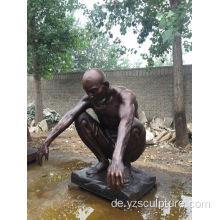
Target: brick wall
[[154, 89]]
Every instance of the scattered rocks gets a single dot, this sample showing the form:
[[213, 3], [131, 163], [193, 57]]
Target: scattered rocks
[[161, 135], [29, 122], [165, 145], [166, 137], [143, 118], [157, 124], [40, 127], [43, 125], [168, 122], [48, 114], [163, 131], [188, 147], [51, 115], [32, 123], [173, 138], [189, 128], [34, 129], [152, 157], [31, 111]]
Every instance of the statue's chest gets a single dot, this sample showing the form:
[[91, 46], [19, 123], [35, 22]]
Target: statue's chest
[[109, 110]]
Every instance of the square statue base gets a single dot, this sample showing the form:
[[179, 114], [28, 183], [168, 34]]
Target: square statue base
[[141, 183]]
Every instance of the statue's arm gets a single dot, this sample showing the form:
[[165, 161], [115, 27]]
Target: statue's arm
[[126, 114], [67, 120]]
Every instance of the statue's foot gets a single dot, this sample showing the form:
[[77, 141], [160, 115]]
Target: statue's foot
[[100, 166]]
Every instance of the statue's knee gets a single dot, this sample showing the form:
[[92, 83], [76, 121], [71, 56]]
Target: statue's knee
[[135, 131], [81, 120]]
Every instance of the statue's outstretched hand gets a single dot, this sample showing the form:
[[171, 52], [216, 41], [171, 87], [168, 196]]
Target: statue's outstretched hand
[[115, 174], [42, 151]]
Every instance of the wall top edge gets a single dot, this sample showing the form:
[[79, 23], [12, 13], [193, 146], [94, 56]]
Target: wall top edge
[[107, 71]]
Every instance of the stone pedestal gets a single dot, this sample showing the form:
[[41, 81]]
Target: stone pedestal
[[140, 184]]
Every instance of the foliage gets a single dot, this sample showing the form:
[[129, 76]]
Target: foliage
[[51, 36], [167, 61], [156, 20], [99, 53]]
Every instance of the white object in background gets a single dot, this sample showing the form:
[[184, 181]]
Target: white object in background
[[150, 138]]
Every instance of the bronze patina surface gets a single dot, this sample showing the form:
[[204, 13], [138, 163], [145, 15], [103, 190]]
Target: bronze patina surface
[[118, 139]]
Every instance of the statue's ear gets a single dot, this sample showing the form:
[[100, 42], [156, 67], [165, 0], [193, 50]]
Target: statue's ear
[[106, 83]]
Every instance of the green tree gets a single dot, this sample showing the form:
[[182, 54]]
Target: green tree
[[51, 37], [99, 53], [167, 61], [165, 23]]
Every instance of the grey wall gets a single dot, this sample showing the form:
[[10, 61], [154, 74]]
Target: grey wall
[[154, 89]]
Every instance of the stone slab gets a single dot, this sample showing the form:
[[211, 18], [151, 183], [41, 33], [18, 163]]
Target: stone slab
[[31, 154], [141, 183]]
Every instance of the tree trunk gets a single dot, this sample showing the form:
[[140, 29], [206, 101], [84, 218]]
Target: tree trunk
[[37, 85], [182, 138], [38, 98]]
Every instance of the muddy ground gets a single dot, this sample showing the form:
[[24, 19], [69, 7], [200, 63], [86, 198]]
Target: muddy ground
[[164, 156]]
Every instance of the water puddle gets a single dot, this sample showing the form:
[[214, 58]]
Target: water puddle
[[49, 197]]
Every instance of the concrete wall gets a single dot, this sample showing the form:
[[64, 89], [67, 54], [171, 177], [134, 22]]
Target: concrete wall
[[154, 89]]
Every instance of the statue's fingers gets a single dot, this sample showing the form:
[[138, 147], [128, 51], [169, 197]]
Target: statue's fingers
[[41, 158], [117, 181], [46, 156], [108, 178], [122, 179], [113, 179]]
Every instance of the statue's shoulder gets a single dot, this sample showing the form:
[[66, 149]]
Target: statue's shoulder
[[124, 92], [119, 89]]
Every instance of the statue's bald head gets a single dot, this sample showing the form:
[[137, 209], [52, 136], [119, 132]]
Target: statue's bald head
[[93, 77], [95, 85]]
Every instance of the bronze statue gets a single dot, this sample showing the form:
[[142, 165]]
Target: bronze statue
[[118, 136]]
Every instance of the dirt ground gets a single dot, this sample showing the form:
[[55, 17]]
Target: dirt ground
[[164, 156]]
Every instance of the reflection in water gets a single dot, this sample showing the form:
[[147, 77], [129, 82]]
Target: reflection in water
[[49, 198], [174, 207], [84, 212]]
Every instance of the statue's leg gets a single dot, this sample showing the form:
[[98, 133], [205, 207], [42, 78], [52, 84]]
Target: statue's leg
[[136, 143], [95, 139]]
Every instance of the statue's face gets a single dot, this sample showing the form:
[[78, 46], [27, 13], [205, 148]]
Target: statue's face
[[97, 92]]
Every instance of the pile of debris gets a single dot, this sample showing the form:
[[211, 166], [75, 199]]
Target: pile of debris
[[39, 127], [49, 115], [160, 130]]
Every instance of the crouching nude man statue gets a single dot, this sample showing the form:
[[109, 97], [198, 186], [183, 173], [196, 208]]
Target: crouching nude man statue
[[118, 136]]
